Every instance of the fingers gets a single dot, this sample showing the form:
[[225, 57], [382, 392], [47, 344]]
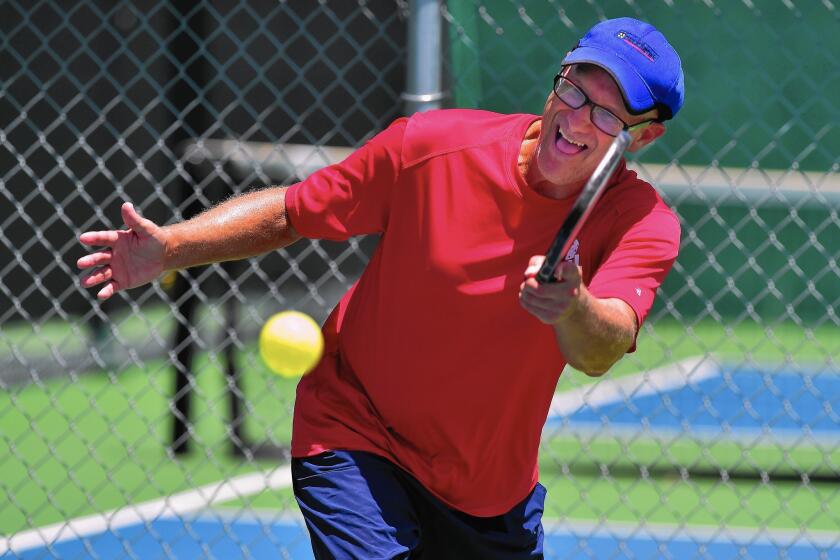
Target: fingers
[[101, 238], [548, 310], [97, 276], [534, 266], [134, 220], [100, 261], [568, 272], [536, 300], [94, 259], [550, 302], [103, 274], [548, 293], [110, 289], [131, 218]]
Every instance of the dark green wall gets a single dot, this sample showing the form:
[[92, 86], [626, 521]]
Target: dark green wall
[[763, 84], [757, 260]]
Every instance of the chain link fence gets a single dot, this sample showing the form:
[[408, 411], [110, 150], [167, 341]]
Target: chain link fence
[[147, 426]]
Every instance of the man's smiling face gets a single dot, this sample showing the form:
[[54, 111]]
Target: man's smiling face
[[570, 145]]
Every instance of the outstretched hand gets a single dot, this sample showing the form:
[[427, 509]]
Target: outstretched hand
[[132, 257], [551, 302]]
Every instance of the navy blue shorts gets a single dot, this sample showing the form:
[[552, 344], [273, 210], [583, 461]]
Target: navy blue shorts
[[359, 505]]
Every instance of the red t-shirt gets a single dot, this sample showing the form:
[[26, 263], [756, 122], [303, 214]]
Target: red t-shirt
[[430, 360]]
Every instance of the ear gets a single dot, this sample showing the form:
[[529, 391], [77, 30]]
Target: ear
[[548, 101], [646, 135]]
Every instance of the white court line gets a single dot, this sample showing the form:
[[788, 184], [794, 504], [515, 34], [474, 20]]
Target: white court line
[[665, 533], [608, 391], [167, 506]]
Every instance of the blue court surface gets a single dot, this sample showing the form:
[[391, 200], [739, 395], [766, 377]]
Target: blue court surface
[[714, 401], [730, 403], [222, 536]]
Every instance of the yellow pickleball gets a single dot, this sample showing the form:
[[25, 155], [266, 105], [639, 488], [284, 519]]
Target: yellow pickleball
[[291, 343]]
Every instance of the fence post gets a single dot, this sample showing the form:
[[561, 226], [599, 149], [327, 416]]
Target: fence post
[[194, 122], [423, 65]]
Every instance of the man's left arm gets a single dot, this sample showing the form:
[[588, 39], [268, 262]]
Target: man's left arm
[[596, 322], [593, 333]]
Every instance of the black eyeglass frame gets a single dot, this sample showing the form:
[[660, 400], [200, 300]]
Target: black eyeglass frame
[[593, 105]]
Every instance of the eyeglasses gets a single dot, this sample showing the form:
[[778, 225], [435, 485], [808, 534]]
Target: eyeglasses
[[607, 122]]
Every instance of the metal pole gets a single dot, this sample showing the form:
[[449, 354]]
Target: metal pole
[[423, 67], [193, 123]]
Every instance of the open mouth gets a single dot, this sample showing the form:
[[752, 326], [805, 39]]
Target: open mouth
[[567, 145]]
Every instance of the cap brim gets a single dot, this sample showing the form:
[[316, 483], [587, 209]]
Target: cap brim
[[636, 94]]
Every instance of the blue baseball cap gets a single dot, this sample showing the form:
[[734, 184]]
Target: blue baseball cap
[[641, 61]]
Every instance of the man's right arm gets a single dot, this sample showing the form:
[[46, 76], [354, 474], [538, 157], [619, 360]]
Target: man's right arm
[[244, 226], [241, 227]]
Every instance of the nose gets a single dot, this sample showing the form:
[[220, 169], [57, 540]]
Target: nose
[[579, 118]]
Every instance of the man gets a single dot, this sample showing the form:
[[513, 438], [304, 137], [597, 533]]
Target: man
[[417, 434]]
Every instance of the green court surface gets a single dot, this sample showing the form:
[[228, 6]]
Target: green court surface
[[97, 442]]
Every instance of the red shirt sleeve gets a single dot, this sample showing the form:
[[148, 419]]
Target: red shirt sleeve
[[352, 197], [644, 244]]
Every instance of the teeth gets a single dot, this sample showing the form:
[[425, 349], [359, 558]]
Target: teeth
[[569, 140]]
